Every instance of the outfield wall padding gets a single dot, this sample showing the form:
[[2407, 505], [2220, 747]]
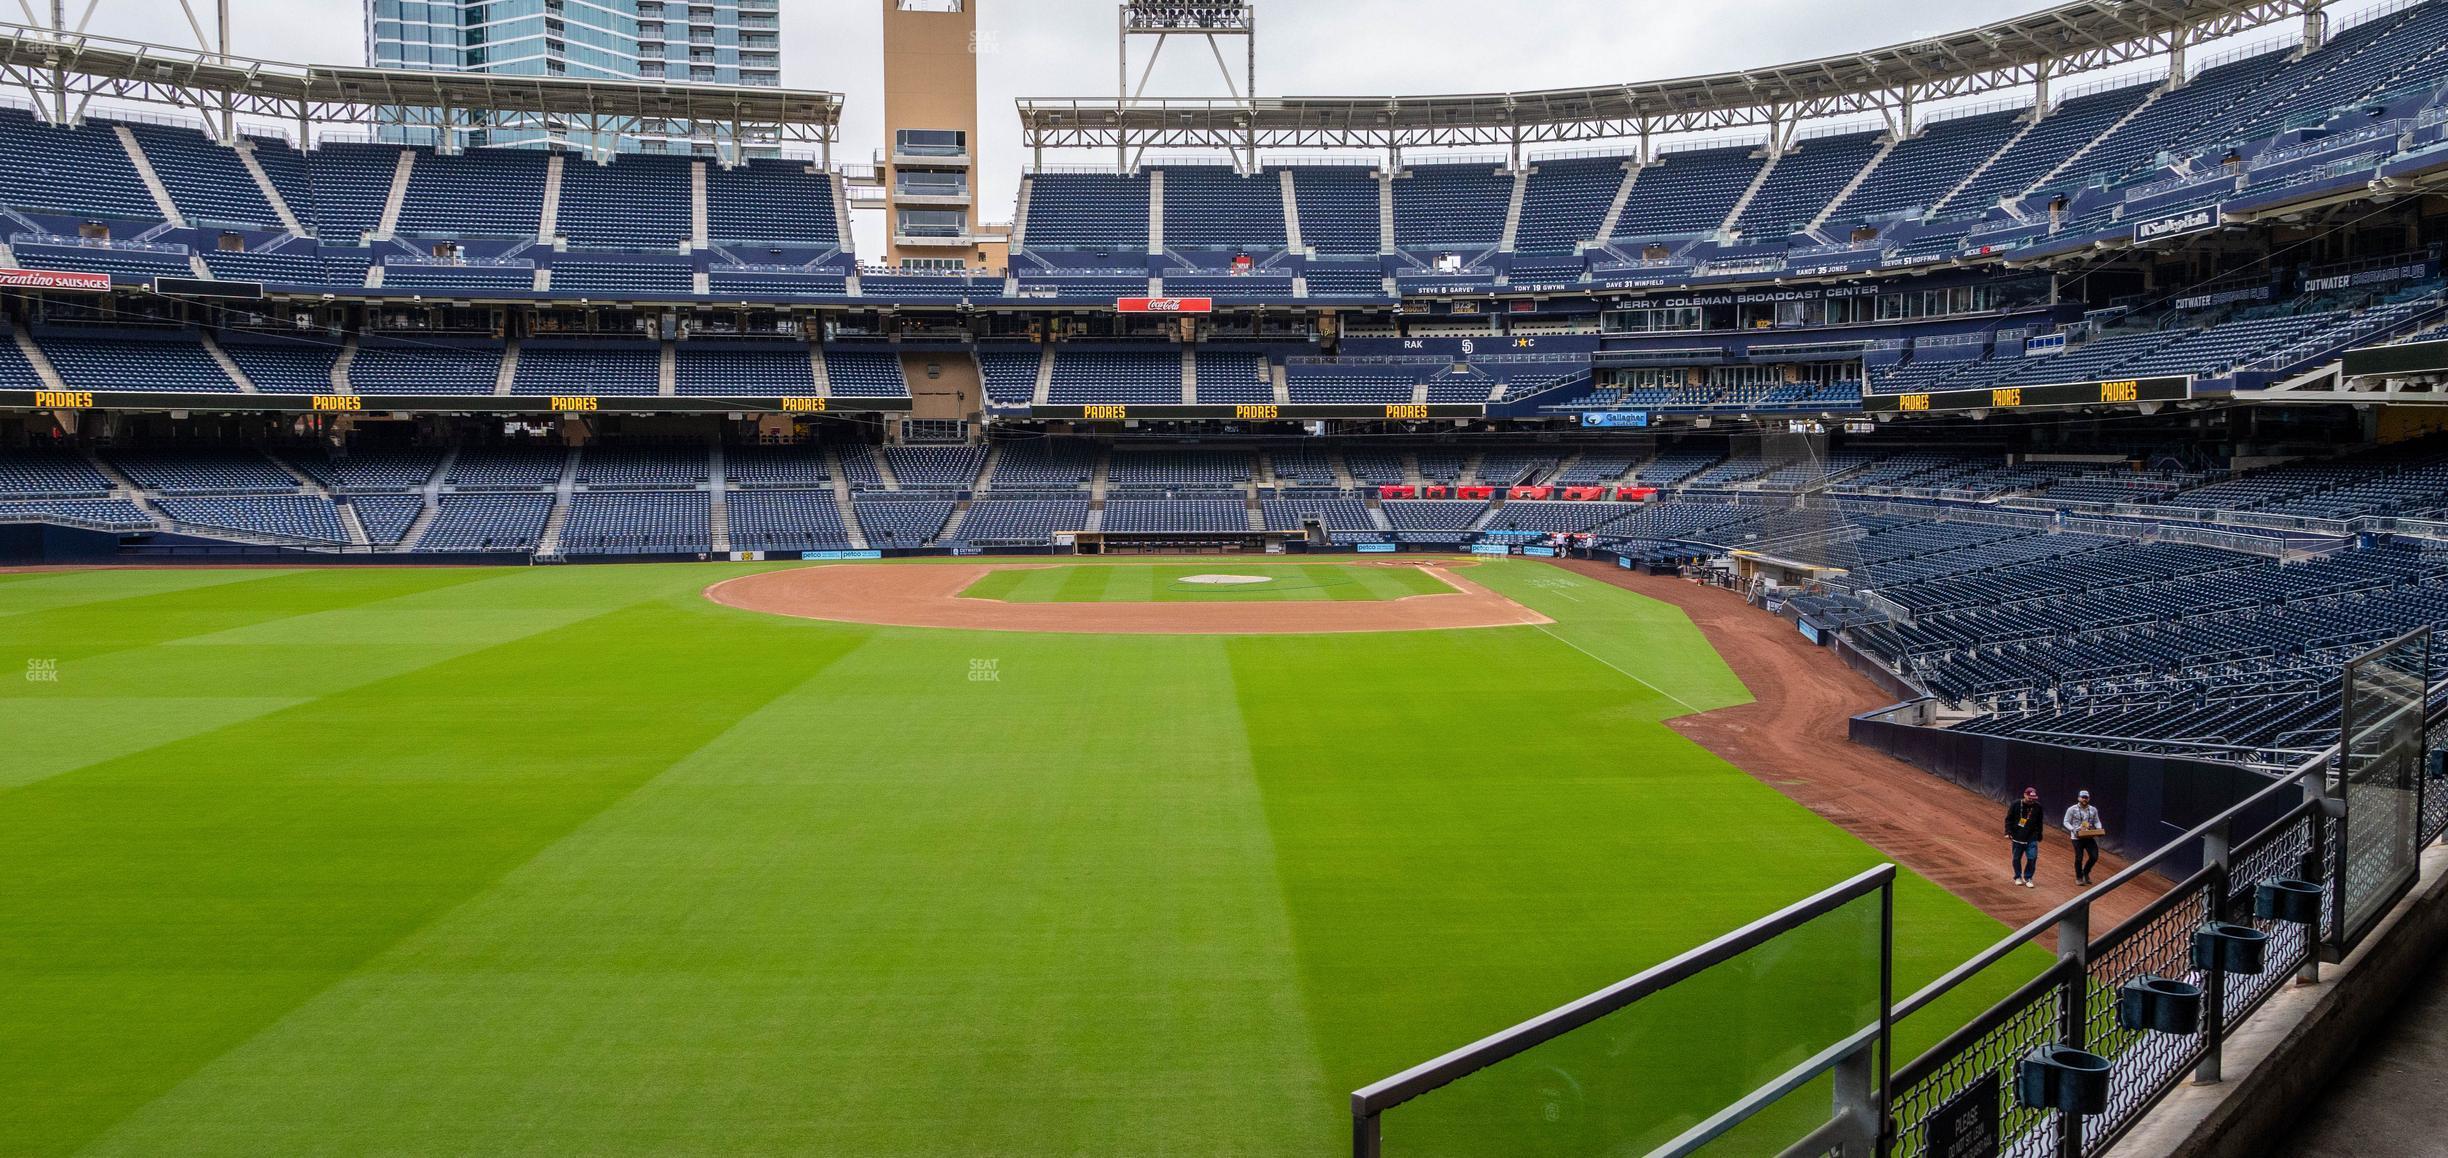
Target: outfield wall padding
[[2145, 801]]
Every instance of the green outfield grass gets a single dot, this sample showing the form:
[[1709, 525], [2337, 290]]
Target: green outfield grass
[[1170, 583], [572, 861]]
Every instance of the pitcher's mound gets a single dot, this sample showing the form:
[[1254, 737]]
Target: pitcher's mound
[[922, 595], [1225, 580]]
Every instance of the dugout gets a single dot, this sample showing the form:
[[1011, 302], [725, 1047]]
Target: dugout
[[1189, 542]]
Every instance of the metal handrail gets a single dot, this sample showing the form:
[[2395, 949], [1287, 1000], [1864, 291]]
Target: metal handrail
[[1371, 1101]]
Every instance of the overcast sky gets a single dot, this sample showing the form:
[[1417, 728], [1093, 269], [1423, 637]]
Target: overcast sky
[[1305, 47]]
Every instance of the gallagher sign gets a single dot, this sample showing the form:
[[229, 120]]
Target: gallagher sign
[[55, 279], [2201, 220], [1166, 305]]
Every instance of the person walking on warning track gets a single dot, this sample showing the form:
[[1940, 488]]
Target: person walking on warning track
[[2024, 826], [2082, 822]]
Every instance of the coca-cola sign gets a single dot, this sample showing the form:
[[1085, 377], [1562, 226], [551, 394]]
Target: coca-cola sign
[[1166, 305]]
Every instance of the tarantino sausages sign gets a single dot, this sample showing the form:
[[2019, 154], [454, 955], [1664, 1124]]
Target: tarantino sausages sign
[[55, 279]]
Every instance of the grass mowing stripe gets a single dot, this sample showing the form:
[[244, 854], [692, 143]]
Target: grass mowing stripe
[[111, 705], [45, 591], [1007, 937], [1686, 705], [1639, 637], [159, 909], [1475, 827], [73, 634]]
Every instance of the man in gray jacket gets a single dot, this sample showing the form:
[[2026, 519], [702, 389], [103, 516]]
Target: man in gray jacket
[[2082, 822]]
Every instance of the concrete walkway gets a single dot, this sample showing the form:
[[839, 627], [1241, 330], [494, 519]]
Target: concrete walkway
[[2388, 1101]]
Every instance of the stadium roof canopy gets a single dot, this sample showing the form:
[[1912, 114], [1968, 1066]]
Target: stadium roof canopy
[[2065, 40], [62, 71]]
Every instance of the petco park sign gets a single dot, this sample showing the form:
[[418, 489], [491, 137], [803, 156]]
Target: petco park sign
[[55, 279], [1166, 305]]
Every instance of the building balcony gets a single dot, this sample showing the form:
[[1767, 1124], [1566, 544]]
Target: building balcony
[[930, 240]]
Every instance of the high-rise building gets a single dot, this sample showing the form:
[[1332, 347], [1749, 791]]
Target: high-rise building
[[683, 41]]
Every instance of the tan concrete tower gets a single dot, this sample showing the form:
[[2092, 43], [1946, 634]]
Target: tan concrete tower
[[931, 51]]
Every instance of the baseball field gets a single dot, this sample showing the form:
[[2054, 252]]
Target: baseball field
[[580, 861]]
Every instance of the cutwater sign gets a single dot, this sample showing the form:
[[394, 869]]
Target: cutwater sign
[[2201, 220]]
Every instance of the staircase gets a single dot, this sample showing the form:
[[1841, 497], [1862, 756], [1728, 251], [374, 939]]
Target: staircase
[[884, 470], [701, 219], [1513, 208], [1385, 213], [509, 369], [1189, 376], [1100, 479], [718, 521], [349, 522], [126, 488], [1342, 471], [667, 370], [1282, 380], [263, 185], [388, 226], [341, 364], [221, 358], [1020, 215], [1846, 193], [986, 473], [2038, 114], [1155, 222], [433, 504], [43, 369], [841, 501], [152, 180], [1744, 202], [816, 366], [415, 534], [1623, 197], [2075, 157], [1045, 376], [550, 545], [841, 214], [548, 224], [1291, 212]]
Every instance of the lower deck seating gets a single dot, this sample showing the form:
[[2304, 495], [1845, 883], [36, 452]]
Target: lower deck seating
[[785, 520], [487, 522], [638, 523]]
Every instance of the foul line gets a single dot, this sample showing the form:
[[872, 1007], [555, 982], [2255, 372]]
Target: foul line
[[1611, 663]]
